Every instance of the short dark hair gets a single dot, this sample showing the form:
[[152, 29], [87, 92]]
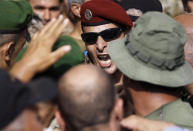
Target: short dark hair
[[87, 107], [186, 8], [4, 38]]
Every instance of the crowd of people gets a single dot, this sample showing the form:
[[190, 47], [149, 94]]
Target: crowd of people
[[96, 65]]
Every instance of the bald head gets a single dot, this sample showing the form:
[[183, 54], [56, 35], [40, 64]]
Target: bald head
[[86, 96], [83, 76], [187, 22]]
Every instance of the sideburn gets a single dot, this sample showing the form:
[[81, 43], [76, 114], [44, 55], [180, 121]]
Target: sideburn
[[19, 43]]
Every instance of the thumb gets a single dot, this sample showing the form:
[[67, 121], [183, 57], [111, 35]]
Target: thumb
[[131, 122], [60, 52]]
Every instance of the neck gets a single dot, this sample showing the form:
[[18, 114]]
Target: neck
[[146, 100], [118, 80], [77, 31], [100, 127], [97, 128]]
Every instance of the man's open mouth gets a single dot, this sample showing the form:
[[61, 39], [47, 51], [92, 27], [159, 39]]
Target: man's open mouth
[[103, 57], [104, 61]]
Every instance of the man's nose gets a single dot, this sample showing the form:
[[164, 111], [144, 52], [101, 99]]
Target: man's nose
[[101, 44], [47, 15]]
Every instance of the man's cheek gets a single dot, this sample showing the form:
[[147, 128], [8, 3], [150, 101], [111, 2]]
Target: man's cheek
[[39, 13], [91, 49], [55, 14], [92, 53]]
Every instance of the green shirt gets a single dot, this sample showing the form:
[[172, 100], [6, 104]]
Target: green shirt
[[178, 112]]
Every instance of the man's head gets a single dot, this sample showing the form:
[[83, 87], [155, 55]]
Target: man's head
[[135, 8], [15, 17], [186, 21], [46, 9], [7, 40], [73, 58], [153, 52], [18, 111], [188, 5], [87, 99], [72, 9], [172, 7], [102, 24]]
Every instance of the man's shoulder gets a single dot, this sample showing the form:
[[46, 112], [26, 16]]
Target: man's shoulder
[[178, 112]]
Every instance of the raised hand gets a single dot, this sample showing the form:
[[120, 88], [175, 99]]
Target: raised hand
[[39, 55]]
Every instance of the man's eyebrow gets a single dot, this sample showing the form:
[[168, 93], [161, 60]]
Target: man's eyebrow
[[55, 8], [39, 7]]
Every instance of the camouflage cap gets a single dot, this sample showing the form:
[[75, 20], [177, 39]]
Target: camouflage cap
[[153, 52], [74, 57], [15, 15]]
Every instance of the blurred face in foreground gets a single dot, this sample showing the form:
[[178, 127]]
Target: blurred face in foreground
[[28, 120]]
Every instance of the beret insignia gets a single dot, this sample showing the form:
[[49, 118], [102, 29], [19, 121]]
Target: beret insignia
[[88, 14]]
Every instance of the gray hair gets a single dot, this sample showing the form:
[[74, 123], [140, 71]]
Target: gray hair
[[4, 38], [172, 7], [69, 12], [75, 1]]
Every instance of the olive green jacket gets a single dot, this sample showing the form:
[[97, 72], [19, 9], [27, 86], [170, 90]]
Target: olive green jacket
[[178, 112]]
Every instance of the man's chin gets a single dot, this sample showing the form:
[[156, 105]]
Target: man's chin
[[110, 70]]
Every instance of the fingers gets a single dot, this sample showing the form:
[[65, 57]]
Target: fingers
[[41, 47], [60, 52], [142, 124], [40, 35], [131, 122], [50, 33], [61, 27], [57, 24], [35, 35], [52, 26], [55, 31], [66, 21], [46, 28]]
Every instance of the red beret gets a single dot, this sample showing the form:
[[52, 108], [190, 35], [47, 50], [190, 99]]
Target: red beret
[[99, 12]]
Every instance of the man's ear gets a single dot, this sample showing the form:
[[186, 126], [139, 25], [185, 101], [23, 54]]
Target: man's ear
[[60, 120], [118, 109], [7, 47], [190, 5], [75, 7]]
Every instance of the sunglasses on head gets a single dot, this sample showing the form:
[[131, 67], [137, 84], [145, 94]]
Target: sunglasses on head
[[107, 35]]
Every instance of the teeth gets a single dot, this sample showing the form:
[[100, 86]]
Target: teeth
[[105, 64], [104, 57]]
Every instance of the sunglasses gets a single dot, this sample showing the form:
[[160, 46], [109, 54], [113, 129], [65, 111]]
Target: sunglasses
[[107, 35]]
